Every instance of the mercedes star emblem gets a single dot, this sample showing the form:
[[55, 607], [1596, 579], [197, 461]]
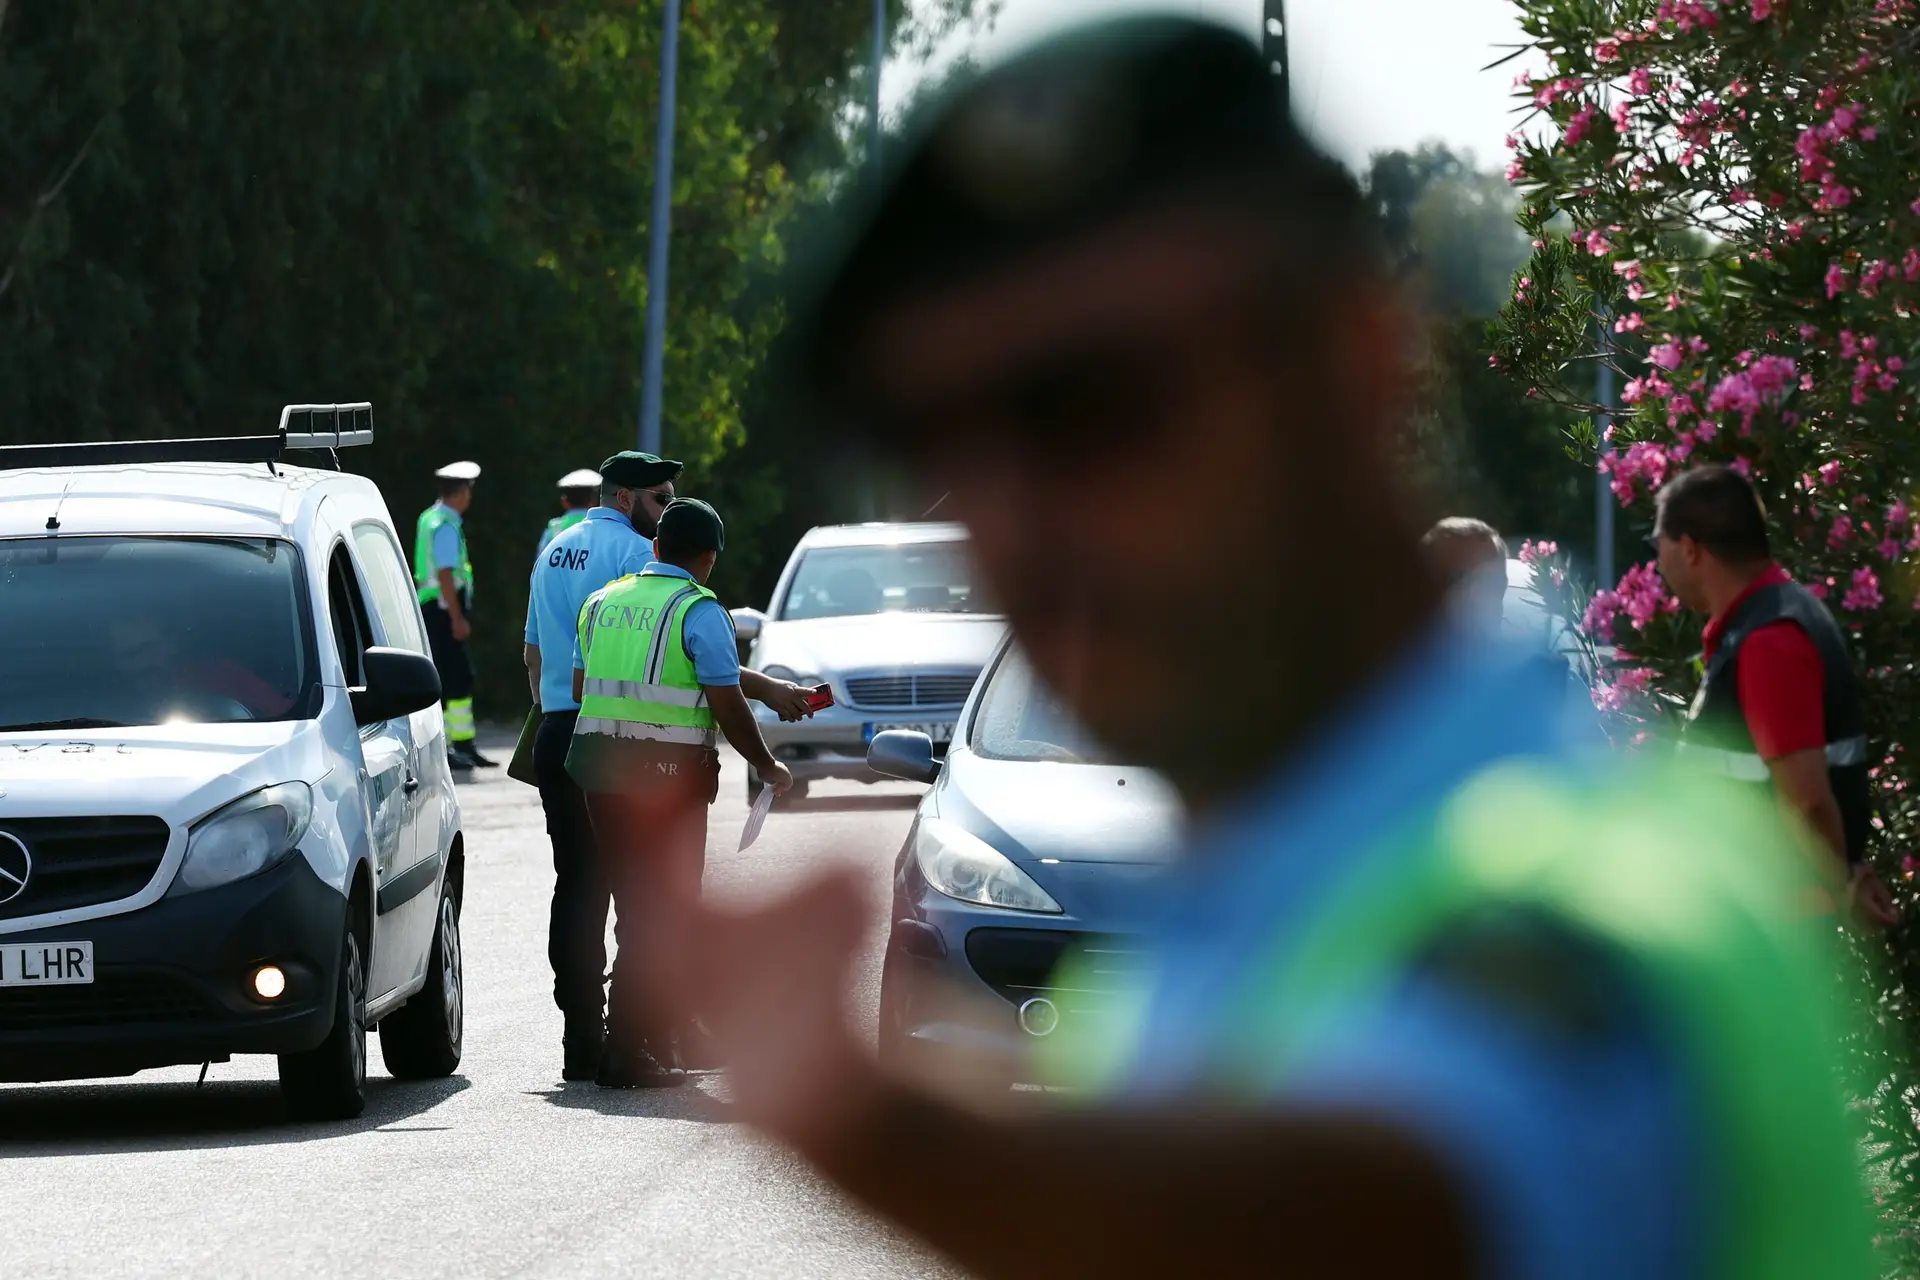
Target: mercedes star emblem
[[16, 867]]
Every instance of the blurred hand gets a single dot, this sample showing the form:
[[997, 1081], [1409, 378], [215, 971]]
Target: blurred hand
[[461, 629], [771, 986], [789, 700], [1867, 893], [780, 778]]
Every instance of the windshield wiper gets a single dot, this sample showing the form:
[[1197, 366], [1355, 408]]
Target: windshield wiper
[[77, 722]]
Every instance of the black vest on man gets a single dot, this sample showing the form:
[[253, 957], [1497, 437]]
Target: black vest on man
[[1717, 734]]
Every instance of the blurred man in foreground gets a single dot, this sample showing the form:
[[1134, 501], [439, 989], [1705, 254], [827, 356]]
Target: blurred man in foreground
[[1779, 708], [1430, 1001]]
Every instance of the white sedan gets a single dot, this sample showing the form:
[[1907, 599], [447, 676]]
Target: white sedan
[[887, 616]]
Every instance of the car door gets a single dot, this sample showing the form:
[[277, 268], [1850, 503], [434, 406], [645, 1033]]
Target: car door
[[408, 902], [385, 776]]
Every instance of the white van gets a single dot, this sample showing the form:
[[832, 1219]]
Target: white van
[[227, 824]]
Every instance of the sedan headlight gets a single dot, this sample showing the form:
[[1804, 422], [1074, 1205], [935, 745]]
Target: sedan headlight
[[778, 672], [962, 865], [245, 837]]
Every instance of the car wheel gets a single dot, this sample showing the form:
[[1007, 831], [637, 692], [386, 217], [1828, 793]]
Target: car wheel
[[421, 1039], [330, 1082]]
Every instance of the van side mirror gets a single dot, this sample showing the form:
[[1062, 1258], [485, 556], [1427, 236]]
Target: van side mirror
[[903, 754], [746, 624], [399, 683]]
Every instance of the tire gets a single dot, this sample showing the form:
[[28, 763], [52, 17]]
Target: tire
[[421, 1039], [330, 1082]]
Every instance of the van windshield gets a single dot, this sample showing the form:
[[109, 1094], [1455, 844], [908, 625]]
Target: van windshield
[[105, 632]]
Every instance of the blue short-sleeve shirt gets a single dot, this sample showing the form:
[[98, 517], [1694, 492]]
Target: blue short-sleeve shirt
[[446, 540], [1578, 1160], [578, 562]]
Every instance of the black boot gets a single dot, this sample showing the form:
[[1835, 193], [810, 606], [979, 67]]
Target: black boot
[[585, 1044], [470, 752], [636, 1069]]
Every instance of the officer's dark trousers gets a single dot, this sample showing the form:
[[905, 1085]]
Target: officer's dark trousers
[[449, 655], [576, 932], [652, 834]]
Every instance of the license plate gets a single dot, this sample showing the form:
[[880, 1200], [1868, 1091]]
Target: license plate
[[938, 730], [45, 964]]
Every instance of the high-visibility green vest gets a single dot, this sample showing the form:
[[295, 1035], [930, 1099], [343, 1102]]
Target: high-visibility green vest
[[425, 578], [559, 525], [640, 682], [1693, 886]]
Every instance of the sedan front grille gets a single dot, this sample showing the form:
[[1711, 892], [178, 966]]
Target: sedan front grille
[[1022, 963], [80, 862], [948, 689]]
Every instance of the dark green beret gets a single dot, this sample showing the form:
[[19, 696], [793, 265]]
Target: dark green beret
[[1091, 126], [635, 470], [690, 525]]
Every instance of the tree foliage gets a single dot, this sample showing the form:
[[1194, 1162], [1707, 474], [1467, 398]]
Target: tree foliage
[[1743, 186], [209, 208]]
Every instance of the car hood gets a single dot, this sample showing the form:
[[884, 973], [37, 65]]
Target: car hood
[[177, 772], [1033, 810], [890, 641]]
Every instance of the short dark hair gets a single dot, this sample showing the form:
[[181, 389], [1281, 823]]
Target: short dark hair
[[584, 496], [449, 487], [688, 529], [1717, 507], [1465, 529]]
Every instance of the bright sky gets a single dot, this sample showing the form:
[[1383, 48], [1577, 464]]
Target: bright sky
[[1368, 74]]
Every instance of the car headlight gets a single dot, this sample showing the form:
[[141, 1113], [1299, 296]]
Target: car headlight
[[245, 837], [778, 672], [962, 865]]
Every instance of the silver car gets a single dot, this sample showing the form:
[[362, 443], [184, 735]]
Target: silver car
[[887, 616]]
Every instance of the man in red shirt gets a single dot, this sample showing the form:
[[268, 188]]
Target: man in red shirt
[[1778, 704]]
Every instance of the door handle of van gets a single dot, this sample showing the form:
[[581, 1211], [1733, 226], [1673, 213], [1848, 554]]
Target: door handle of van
[[411, 785]]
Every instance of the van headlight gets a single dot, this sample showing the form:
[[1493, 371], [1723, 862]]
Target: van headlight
[[962, 865], [245, 837]]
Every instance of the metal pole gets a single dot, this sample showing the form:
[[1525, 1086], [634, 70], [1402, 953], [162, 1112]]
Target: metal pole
[[661, 231], [1603, 503], [1273, 41], [873, 97]]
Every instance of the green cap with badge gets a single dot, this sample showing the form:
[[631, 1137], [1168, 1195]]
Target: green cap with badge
[[632, 469], [691, 526]]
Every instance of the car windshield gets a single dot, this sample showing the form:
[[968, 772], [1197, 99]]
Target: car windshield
[[912, 577], [1020, 718], [105, 632]]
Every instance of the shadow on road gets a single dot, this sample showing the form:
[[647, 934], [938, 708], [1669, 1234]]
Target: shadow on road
[[118, 1117], [689, 1102], [848, 804]]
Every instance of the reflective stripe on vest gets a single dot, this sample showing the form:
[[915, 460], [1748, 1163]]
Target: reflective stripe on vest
[[640, 682], [1746, 766], [634, 691]]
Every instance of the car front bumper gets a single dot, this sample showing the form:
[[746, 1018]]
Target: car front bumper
[[172, 982]]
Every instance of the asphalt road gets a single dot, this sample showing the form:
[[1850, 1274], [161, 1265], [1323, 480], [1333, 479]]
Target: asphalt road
[[498, 1171]]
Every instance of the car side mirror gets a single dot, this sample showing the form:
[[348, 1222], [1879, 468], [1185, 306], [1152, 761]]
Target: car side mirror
[[746, 624], [903, 754], [399, 683]]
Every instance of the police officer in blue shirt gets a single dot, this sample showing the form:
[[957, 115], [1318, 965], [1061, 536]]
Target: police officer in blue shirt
[[1432, 995], [615, 539]]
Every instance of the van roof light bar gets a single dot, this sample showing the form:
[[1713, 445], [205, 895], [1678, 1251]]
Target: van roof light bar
[[302, 426]]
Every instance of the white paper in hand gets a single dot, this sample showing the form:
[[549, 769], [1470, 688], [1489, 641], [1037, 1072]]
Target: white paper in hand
[[756, 817]]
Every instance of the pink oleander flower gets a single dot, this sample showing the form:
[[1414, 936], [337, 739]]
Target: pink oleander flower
[[1640, 84], [1831, 473], [1607, 51], [1581, 125], [1743, 466], [1667, 355], [1841, 532], [1534, 552], [1890, 549], [1762, 10], [1837, 280], [1898, 514], [1864, 596], [1628, 323]]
